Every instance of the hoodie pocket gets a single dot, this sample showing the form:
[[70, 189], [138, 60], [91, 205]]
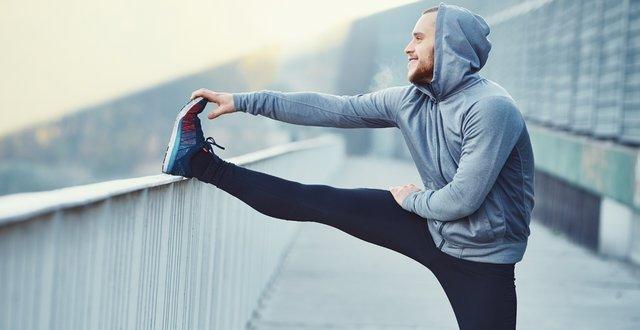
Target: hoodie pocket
[[473, 230], [480, 224]]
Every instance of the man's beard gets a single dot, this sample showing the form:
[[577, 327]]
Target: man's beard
[[422, 74]]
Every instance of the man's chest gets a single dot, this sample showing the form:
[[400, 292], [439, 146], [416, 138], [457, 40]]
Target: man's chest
[[434, 135]]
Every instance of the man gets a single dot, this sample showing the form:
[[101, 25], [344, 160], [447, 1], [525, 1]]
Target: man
[[470, 224]]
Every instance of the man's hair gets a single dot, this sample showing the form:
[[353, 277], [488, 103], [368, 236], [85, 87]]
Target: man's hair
[[430, 10]]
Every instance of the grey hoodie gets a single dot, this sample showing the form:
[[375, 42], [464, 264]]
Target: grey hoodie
[[465, 134]]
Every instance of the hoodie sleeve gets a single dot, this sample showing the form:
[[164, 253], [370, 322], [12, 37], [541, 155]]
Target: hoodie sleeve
[[376, 109], [490, 129]]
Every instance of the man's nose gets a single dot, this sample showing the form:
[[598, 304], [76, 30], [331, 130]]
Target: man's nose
[[408, 49]]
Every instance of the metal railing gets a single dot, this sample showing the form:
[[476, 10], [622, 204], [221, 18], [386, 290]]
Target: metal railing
[[151, 252]]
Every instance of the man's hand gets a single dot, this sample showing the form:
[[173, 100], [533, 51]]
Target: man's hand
[[401, 192], [223, 100]]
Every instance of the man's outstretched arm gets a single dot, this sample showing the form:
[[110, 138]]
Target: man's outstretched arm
[[376, 109]]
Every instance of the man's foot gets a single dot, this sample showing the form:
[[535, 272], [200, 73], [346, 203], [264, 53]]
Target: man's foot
[[186, 139], [204, 164]]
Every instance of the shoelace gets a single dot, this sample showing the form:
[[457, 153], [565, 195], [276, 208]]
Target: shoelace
[[209, 142]]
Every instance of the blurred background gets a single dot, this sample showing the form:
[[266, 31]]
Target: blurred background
[[89, 90]]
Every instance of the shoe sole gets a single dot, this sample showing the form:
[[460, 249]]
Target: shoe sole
[[176, 134]]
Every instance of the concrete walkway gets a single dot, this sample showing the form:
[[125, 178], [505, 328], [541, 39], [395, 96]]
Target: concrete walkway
[[331, 280]]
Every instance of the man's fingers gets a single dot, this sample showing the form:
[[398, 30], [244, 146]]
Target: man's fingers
[[214, 113], [197, 93], [400, 187], [208, 95], [403, 186], [220, 110]]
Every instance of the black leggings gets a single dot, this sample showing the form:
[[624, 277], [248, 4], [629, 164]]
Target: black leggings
[[482, 295]]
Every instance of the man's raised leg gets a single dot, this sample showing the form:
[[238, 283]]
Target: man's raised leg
[[369, 214]]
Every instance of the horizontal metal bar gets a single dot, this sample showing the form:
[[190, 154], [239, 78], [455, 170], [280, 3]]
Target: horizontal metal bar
[[18, 207]]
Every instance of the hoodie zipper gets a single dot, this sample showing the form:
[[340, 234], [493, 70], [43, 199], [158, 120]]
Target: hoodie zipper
[[435, 105], [442, 238]]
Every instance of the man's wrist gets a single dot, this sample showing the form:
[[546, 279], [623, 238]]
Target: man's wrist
[[240, 101], [408, 201]]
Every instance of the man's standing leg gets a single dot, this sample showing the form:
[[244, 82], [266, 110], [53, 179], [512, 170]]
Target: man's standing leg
[[483, 295]]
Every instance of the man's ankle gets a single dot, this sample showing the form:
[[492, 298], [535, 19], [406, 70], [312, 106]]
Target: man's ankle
[[199, 163]]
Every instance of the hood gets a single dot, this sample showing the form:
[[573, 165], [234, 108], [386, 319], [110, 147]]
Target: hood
[[461, 49]]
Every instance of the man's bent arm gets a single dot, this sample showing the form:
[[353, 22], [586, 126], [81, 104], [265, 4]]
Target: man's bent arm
[[376, 109], [491, 129]]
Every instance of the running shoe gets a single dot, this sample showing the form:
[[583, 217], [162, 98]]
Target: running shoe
[[186, 139]]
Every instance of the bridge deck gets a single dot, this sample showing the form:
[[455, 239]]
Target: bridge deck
[[331, 280]]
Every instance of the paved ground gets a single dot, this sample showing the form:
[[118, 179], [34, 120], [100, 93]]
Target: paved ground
[[331, 280]]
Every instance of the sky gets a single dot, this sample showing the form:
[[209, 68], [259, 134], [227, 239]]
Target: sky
[[59, 56]]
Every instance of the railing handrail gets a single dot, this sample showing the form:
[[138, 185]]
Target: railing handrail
[[22, 206]]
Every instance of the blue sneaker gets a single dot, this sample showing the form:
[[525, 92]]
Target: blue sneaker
[[186, 139]]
